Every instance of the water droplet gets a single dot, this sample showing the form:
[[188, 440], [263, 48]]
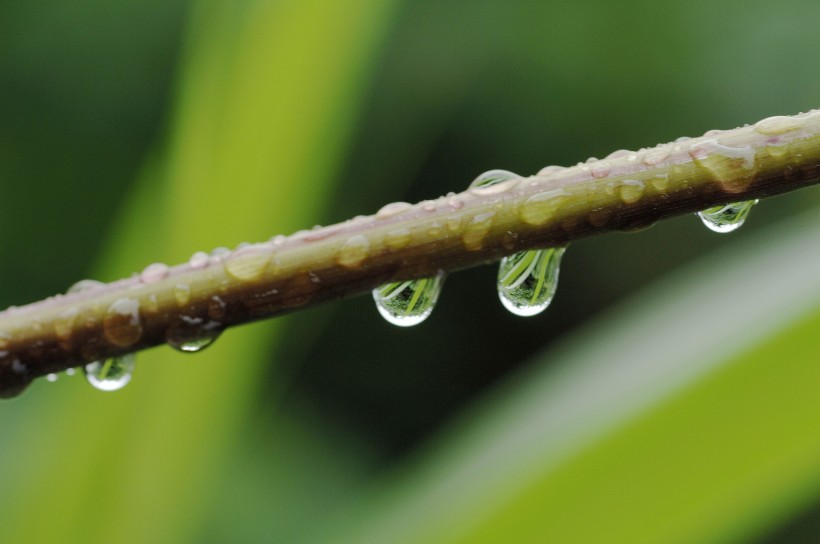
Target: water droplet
[[122, 324], [539, 208], [397, 238], [198, 260], [732, 167], [192, 334], [52, 377], [218, 254], [154, 272], [454, 223], [85, 285], [70, 371], [151, 304], [656, 155], [408, 303], [182, 292], [64, 324], [660, 181], [601, 169], [631, 191], [774, 126], [455, 203], [727, 218], [111, 374], [392, 209], [494, 182], [777, 151], [353, 252], [476, 231], [548, 171], [248, 263], [527, 280], [617, 154]]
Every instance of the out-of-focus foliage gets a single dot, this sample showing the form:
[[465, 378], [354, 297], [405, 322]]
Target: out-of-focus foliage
[[137, 132]]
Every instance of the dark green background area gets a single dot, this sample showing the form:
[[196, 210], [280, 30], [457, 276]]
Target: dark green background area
[[91, 100]]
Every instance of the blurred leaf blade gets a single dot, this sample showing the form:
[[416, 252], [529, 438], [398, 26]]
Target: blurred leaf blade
[[589, 450], [265, 111]]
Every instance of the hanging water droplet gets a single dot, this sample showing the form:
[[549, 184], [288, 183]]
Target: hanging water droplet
[[727, 218], [408, 303], [192, 334], [527, 280], [52, 377], [111, 374]]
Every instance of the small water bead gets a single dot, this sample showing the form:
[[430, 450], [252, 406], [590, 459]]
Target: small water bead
[[52, 377], [192, 334], [122, 325], [154, 272], [182, 293], [656, 155], [777, 151], [601, 169], [219, 254], [84, 285], [397, 238], [248, 263], [435, 230], [494, 182], [775, 126], [727, 218], [393, 208], [64, 323], [476, 231], [527, 280], [70, 372], [198, 260], [455, 203], [631, 191], [408, 303], [540, 208], [353, 252], [111, 374], [660, 181], [733, 167], [551, 170], [617, 154]]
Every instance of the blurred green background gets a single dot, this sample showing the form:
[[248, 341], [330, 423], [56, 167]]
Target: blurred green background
[[681, 411]]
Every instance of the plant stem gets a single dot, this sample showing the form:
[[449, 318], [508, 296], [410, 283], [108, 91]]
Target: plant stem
[[625, 191]]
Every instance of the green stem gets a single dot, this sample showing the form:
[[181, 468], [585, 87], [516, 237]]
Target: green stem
[[625, 191]]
